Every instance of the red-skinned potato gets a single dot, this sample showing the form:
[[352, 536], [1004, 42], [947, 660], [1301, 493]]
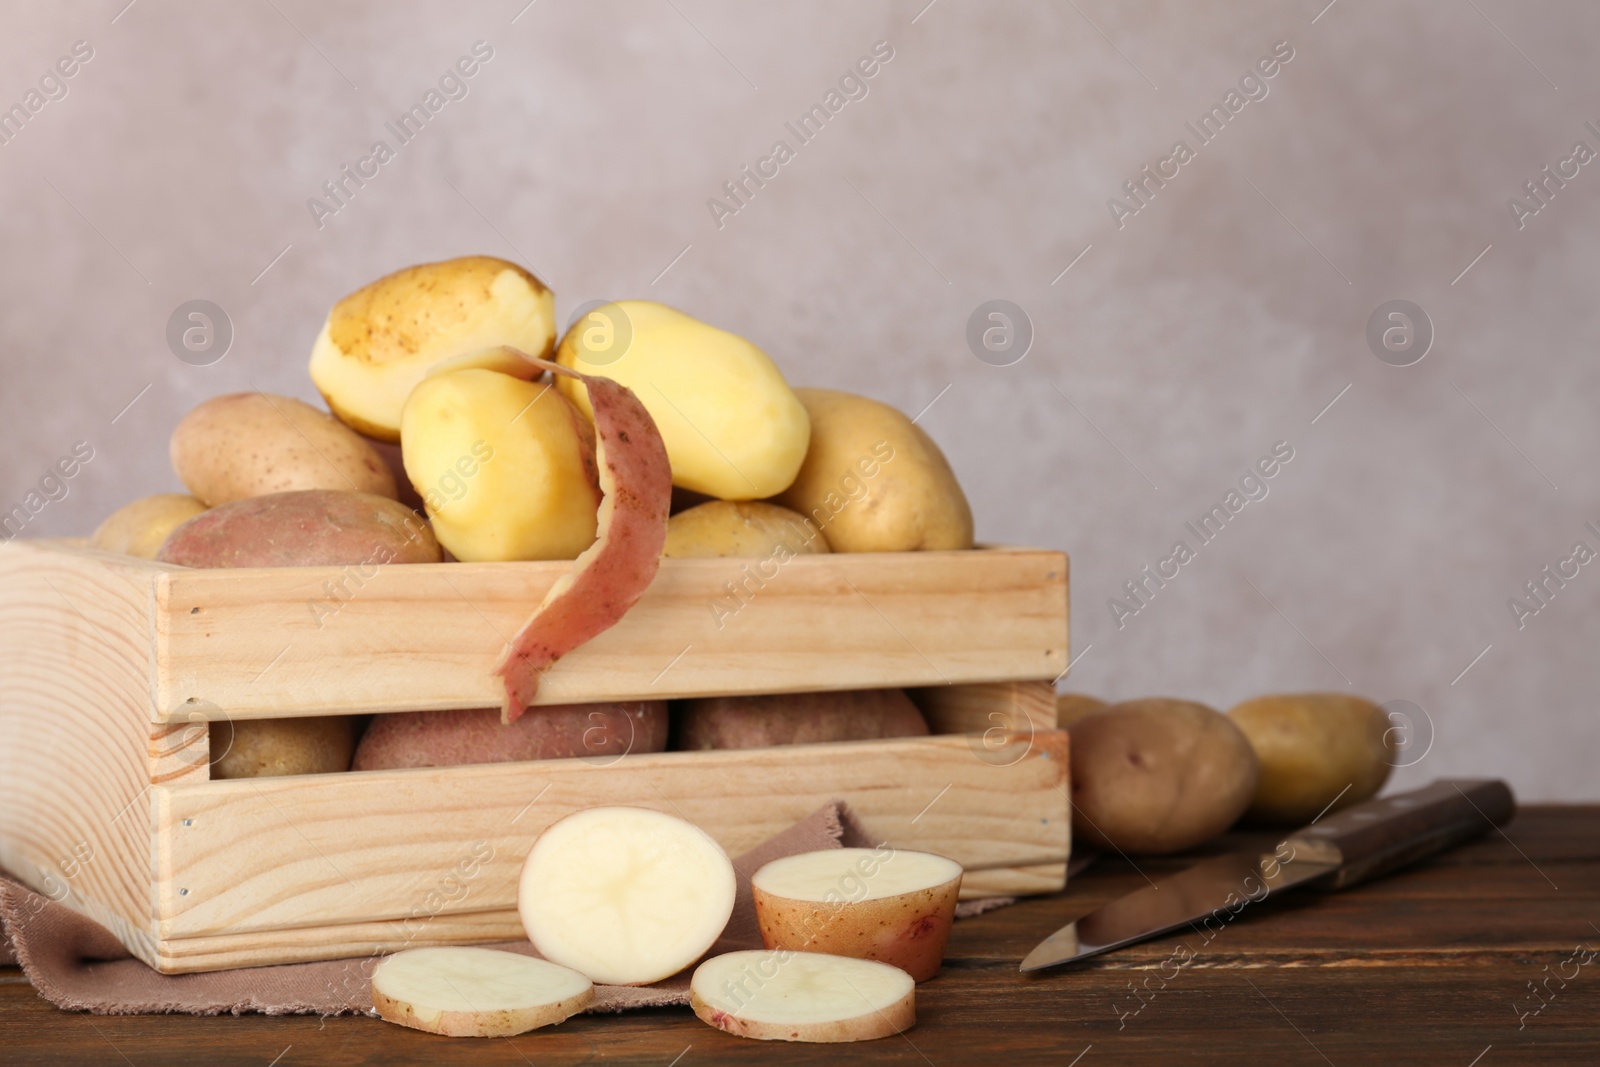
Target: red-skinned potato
[[314, 527], [601, 732], [797, 719], [882, 904]]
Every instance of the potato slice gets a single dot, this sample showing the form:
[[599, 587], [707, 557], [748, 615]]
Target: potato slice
[[613, 573], [627, 896], [476, 992], [802, 996], [880, 904], [381, 340]]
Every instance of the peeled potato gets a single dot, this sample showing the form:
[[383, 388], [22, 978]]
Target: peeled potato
[[741, 528], [797, 719], [882, 904], [1157, 775], [627, 896], [778, 995], [603, 733], [139, 527], [250, 444], [268, 748], [872, 481], [381, 340], [505, 467], [476, 992], [1316, 750], [311, 528], [732, 427]]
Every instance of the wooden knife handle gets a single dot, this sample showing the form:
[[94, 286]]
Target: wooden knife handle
[[1379, 836]]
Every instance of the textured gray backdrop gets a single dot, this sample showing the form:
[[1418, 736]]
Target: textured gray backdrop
[[1221, 318]]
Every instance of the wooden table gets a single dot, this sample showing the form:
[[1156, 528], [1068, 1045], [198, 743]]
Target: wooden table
[[1431, 966]]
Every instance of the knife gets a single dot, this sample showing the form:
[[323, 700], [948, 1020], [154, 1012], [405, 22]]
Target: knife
[[1361, 842]]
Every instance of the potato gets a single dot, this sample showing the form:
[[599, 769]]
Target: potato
[[797, 719], [1070, 707], [603, 732], [250, 444], [740, 528], [1316, 750], [733, 428], [882, 904], [138, 528], [872, 481], [627, 896], [1155, 776], [802, 996], [267, 748], [311, 528], [505, 467], [476, 992], [380, 341]]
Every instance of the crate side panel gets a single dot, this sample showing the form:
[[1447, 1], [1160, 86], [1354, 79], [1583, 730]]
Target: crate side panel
[[77, 750], [319, 851], [261, 643]]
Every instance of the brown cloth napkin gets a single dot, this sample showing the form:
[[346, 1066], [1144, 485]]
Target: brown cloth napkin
[[75, 963]]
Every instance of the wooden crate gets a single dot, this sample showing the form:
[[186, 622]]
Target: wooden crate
[[112, 668]]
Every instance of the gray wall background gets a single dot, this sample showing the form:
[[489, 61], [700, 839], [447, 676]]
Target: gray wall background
[[1223, 317]]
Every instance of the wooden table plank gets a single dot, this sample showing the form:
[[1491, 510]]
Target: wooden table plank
[[1422, 968]]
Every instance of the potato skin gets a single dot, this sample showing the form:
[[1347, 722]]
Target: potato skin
[[732, 426], [740, 528], [139, 527], [872, 481], [603, 732], [796, 719], [506, 467], [250, 444], [1158, 775], [267, 748], [908, 931], [1070, 707], [315, 527], [1312, 747], [381, 340]]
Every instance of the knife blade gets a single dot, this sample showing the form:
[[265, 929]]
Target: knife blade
[[1358, 843]]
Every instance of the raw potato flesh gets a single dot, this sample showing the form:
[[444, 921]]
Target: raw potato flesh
[[476, 992], [880, 904], [802, 996], [613, 573], [627, 896]]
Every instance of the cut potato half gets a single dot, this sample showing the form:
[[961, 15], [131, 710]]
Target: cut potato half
[[876, 904], [628, 896], [476, 992], [802, 996]]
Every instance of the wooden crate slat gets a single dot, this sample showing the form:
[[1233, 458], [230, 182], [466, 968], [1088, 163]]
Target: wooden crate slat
[[251, 643], [324, 850]]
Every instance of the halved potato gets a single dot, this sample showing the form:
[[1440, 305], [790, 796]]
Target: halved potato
[[802, 996], [381, 340], [882, 904]]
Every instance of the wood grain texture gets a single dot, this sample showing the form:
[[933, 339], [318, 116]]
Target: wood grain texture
[[263, 856], [1421, 968], [997, 709], [77, 751], [308, 640]]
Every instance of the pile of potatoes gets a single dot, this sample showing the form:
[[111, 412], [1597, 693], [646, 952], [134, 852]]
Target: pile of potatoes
[[1159, 775], [433, 405]]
